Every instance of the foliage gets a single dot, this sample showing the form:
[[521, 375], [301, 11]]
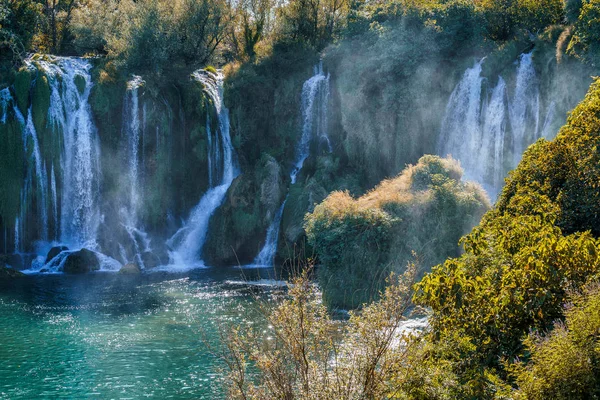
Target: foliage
[[306, 355], [538, 245], [152, 36], [426, 209], [564, 170], [584, 43], [564, 363]]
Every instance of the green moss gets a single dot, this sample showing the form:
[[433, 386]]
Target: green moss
[[22, 88], [210, 69], [80, 83], [11, 169], [40, 102]]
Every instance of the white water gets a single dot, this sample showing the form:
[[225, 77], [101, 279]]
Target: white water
[[70, 114], [29, 135], [487, 129], [54, 202], [132, 131], [524, 109], [188, 242], [315, 97], [5, 99], [314, 102], [266, 257]]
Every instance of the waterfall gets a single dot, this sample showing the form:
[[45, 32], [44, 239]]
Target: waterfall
[[315, 97], [549, 121], [54, 201], [524, 109], [188, 241], [314, 103], [5, 99], [30, 136], [132, 130], [71, 112], [488, 130], [266, 257], [461, 127]]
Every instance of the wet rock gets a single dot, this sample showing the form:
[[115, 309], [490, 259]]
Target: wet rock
[[130, 269], [16, 261], [238, 228], [9, 273], [150, 260], [81, 262], [54, 252]]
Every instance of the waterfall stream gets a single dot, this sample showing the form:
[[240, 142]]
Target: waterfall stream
[[188, 241], [70, 115], [488, 129], [314, 102]]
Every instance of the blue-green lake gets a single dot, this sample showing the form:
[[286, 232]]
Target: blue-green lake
[[108, 336]]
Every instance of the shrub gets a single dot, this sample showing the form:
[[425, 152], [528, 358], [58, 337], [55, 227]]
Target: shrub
[[358, 242], [563, 364], [305, 354]]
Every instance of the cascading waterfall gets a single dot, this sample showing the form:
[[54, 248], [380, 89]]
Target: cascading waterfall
[[133, 130], [315, 97], [30, 136], [524, 109], [70, 113], [314, 102], [266, 256], [188, 241], [5, 99], [488, 130]]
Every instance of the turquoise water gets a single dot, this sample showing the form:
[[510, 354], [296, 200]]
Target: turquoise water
[[106, 336]]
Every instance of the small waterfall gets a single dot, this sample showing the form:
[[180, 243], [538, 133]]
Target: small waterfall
[[187, 243], [54, 202], [30, 136], [315, 98], [492, 147], [17, 235], [131, 130], [461, 127], [266, 257], [5, 99], [71, 114], [547, 132], [133, 127], [314, 103], [486, 129], [524, 109]]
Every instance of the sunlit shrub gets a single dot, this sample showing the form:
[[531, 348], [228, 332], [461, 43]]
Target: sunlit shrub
[[426, 210]]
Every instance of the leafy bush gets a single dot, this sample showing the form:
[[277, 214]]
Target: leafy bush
[[563, 364], [426, 210]]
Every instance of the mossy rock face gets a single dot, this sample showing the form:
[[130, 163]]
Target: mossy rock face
[[238, 228], [22, 88], [9, 273], [40, 102], [80, 83]]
